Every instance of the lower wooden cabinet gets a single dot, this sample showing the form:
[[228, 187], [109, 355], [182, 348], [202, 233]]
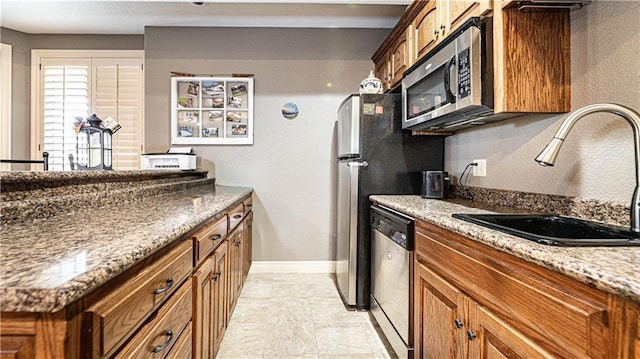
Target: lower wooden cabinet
[[472, 301], [220, 310], [236, 251], [175, 303]]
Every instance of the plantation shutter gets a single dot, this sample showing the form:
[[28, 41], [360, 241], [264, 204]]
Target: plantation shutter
[[65, 96], [117, 88]]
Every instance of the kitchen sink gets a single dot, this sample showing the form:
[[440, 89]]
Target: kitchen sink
[[555, 230]]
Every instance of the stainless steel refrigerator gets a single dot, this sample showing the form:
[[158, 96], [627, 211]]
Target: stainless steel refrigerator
[[375, 156]]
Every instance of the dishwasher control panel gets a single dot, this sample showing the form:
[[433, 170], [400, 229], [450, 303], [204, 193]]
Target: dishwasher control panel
[[396, 226]]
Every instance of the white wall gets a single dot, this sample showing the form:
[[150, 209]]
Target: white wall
[[597, 159], [290, 166]]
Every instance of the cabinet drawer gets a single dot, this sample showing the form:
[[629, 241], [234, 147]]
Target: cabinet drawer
[[248, 205], [565, 315], [157, 336], [235, 216], [206, 239], [182, 348], [121, 311]]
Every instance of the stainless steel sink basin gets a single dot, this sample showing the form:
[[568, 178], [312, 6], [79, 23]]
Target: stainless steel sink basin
[[555, 230]]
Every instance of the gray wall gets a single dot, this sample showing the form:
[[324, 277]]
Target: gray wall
[[597, 159], [290, 166], [22, 44]]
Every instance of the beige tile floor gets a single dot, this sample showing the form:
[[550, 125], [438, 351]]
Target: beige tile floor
[[298, 316]]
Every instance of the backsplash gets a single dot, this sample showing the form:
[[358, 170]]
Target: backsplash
[[608, 212]]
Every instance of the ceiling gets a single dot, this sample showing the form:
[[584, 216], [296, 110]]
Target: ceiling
[[130, 17]]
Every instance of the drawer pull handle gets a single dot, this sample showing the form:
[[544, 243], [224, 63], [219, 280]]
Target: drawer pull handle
[[458, 323], [237, 216], [166, 288], [162, 347], [215, 237], [471, 335], [216, 276]]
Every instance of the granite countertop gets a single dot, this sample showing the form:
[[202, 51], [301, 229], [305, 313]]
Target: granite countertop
[[49, 263], [611, 269]]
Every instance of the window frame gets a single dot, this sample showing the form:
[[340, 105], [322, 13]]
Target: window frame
[[6, 58], [37, 125]]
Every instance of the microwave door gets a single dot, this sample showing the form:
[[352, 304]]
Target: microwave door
[[433, 95]]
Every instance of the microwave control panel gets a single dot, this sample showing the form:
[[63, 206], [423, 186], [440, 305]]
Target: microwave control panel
[[464, 74]]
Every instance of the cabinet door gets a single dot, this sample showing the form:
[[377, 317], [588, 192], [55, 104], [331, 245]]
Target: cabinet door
[[461, 10], [246, 253], [439, 317], [219, 295], [203, 309], [382, 70], [489, 338], [235, 263], [18, 346], [399, 59], [425, 30]]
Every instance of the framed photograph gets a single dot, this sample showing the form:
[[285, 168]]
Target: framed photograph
[[210, 132], [234, 102], [193, 89], [239, 130], [238, 89]]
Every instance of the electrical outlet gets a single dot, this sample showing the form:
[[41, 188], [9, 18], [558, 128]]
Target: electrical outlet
[[480, 169]]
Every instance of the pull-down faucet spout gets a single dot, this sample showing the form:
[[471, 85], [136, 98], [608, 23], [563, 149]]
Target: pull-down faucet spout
[[548, 156]]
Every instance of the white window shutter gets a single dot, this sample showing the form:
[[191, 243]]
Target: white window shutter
[[65, 96], [118, 93]]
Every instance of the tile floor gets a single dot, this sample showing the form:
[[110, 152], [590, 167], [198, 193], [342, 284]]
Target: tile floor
[[298, 316]]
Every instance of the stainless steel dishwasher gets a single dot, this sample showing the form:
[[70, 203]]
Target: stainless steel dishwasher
[[391, 276]]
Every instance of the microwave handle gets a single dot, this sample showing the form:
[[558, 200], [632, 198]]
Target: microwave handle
[[447, 80]]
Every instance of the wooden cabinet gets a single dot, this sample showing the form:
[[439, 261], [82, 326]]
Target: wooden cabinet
[[474, 301], [175, 303], [203, 281], [439, 316], [209, 237], [157, 337], [425, 29], [400, 58], [112, 319], [531, 51], [218, 278], [235, 265], [220, 303], [247, 249]]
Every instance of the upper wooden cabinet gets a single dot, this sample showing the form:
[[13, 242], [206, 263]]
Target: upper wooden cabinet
[[426, 30], [531, 51]]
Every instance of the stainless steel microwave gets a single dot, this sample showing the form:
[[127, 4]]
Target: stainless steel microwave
[[452, 87]]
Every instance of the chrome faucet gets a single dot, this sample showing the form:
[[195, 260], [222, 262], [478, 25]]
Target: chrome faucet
[[548, 156]]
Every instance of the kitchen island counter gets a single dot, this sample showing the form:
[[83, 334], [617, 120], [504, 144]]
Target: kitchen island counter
[[610, 269], [48, 263]]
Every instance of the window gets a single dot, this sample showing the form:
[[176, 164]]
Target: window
[[71, 84]]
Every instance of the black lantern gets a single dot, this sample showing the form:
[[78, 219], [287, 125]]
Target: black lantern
[[93, 146]]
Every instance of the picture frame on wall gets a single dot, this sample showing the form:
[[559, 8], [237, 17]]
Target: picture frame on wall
[[212, 110]]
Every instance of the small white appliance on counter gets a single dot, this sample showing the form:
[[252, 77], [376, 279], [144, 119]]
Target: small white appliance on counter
[[176, 158]]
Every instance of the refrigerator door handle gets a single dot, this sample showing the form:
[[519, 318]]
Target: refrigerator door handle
[[358, 164]]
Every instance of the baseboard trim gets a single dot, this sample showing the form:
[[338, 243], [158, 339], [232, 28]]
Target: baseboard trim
[[293, 267]]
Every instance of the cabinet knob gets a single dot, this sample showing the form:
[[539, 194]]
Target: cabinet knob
[[442, 27], [237, 216], [471, 335], [216, 276], [458, 323], [436, 32]]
